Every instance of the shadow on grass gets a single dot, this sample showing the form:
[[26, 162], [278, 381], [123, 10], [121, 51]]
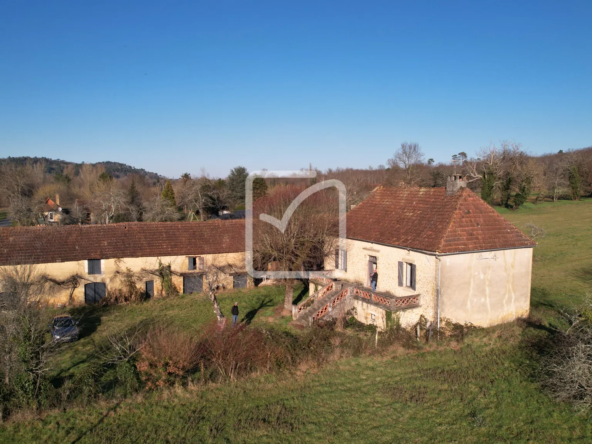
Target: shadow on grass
[[584, 275], [301, 295], [88, 318], [95, 425], [263, 303]]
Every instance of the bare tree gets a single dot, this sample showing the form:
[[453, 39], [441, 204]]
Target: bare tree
[[307, 240], [408, 157], [160, 210]]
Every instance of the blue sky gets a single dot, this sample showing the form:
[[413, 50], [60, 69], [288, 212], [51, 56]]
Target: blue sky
[[180, 86]]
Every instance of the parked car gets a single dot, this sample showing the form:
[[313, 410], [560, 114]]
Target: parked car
[[64, 329]]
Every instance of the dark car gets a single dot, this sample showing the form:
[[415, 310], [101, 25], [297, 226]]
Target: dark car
[[64, 329]]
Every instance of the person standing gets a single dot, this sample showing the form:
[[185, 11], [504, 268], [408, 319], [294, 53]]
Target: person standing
[[234, 312], [374, 279]]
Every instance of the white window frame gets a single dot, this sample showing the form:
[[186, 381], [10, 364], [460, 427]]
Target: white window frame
[[50, 216]]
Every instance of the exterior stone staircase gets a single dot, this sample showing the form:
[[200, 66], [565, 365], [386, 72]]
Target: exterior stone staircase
[[308, 311], [321, 303]]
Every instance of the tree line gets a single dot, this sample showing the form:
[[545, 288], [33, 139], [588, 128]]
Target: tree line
[[502, 174]]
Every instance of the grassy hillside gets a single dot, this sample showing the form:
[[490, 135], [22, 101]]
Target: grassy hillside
[[483, 390], [562, 269]]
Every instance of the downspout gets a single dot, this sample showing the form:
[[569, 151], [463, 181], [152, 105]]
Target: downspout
[[439, 292]]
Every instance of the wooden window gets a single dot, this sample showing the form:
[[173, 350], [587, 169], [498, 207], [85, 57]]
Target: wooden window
[[94, 266], [195, 263], [340, 259], [407, 274]]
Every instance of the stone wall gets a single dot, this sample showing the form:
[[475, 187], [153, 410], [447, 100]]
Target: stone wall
[[486, 288], [358, 253], [112, 268]]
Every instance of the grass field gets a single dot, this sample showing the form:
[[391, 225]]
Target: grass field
[[562, 269], [185, 311], [484, 390]]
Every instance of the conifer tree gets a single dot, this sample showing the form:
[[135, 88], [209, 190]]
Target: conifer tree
[[168, 194]]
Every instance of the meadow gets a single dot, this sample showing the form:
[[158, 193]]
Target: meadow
[[484, 388]]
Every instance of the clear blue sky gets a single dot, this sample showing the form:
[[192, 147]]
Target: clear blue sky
[[179, 86]]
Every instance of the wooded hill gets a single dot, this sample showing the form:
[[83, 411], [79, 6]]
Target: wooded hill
[[57, 166]]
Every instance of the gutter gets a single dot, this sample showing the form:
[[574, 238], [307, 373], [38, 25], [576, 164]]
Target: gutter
[[437, 253], [438, 292]]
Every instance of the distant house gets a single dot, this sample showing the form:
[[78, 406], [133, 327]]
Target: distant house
[[94, 257], [439, 252], [51, 211]]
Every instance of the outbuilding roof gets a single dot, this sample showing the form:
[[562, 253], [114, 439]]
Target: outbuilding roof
[[427, 219], [48, 244]]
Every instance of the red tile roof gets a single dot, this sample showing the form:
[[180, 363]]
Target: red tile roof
[[47, 244], [429, 220]]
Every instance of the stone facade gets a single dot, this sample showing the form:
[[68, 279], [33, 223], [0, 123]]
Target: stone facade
[[483, 288], [388, 257], [111, 270]]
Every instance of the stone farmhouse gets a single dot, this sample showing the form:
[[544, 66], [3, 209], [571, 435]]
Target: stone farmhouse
[[439, 252], [86, 262]]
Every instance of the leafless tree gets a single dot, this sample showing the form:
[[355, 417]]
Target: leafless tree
[[307, 240], [160, 210], [568, 364], [408, 157]]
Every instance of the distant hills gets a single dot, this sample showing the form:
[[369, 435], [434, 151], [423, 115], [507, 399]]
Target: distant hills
[[53, 166]]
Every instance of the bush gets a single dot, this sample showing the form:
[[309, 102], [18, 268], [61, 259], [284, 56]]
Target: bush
[[167, 355]]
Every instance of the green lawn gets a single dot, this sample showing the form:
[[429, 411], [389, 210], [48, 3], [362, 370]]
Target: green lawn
[[189, 312], [3, 214], [562, 269], [481, 391]]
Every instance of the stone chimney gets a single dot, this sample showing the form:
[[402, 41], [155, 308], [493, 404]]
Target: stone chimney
[[455, 183], [57, 201]]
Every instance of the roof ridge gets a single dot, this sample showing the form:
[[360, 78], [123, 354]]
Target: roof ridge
[[461, 193]]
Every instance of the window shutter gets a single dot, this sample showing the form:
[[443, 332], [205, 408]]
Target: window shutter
[[337, 259], [94, 266], [413, 276], [401, 274], [344, 260], [191, 263], [202, 265]]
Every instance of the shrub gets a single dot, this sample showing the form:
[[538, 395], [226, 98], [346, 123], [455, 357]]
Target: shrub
[[167, 355], [234, 352], [128, 378]]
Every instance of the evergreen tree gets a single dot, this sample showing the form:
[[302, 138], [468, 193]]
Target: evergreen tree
[[487, 185], [259, 188], [236, 184], [168, 194], [575, 182], [134, 200]]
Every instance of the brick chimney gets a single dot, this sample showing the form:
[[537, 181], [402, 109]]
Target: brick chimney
[[455, 183], [57, 201]]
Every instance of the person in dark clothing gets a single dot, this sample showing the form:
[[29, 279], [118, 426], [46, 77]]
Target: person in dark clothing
[[374, 279], [234, 312]]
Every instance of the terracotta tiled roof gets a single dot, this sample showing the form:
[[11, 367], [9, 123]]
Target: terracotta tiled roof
[[429, 220], [44, 244]]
